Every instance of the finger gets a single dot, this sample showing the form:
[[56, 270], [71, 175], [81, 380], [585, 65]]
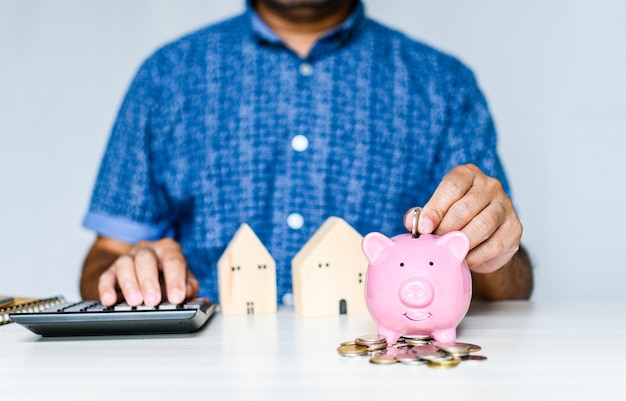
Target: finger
[[106, 287], [452, 188], [493, 264], [497, 250], [192, 285], [127, 280], [462, 212], [174, 269], [147, 270], [484, 224]]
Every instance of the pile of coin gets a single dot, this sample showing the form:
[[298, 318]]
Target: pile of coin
[[410, 350]]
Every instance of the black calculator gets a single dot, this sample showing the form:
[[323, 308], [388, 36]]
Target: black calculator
[[86, 318]]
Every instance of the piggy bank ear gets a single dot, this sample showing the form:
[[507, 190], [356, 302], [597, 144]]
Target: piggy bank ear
[[374, 244], [457, 242]]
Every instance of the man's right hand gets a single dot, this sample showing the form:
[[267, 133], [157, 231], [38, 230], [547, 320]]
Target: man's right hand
[[142, 274]]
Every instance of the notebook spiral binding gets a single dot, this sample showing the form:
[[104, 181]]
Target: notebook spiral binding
[[29, 305]]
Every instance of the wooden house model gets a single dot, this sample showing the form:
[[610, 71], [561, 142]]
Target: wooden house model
[[246, 276], [328, 273]]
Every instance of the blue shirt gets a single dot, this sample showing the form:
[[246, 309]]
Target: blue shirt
[[204, 139]]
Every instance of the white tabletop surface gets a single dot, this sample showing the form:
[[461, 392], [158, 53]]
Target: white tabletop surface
[[535, 350]]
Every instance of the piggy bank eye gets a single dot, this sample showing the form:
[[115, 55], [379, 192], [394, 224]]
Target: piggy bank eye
[[431, 263], [401, 264]]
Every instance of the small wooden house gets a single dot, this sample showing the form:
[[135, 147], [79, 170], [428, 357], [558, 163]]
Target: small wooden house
[[328, 273], [246, 276]]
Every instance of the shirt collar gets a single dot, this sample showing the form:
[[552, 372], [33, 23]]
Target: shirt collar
[[264, 32]]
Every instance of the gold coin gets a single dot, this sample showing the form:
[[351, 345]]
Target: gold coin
[[444, 363], [459, 349], [473, 347], [352, 350], [416, 341], [383, 359]]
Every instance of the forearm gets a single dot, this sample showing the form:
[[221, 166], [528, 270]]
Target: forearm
[[96, 262], [514, 280]]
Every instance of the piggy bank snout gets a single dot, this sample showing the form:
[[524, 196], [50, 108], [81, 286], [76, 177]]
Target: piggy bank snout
[[416, 292]]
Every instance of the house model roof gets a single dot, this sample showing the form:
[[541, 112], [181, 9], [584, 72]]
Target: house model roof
[[329, 272], [246, 275]]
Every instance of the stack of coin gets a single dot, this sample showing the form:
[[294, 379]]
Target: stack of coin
[[349, 348], [411, 350], [372, 342]]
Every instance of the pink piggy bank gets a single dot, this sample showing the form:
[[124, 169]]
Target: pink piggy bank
[[419, 286]]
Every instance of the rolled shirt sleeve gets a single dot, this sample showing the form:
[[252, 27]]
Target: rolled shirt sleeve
[[127, 203]]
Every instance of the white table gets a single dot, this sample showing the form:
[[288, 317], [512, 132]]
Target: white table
[[535, 350]]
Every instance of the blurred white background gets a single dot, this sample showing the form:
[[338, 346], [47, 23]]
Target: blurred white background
[[553, 71]]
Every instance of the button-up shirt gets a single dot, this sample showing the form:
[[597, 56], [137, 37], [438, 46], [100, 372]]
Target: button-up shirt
[[227, 125]]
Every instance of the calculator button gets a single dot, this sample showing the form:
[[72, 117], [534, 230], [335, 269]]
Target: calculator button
[[146, 307], [168, 306], [193, 305], [123, 307]]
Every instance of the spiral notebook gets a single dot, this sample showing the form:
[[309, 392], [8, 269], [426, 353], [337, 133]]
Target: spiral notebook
[[10, 304]]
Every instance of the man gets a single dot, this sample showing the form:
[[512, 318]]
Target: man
[[281, 117]]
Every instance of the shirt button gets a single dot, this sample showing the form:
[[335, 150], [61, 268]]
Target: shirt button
[[306, 69], [299, 143], [295, 221], [288, 299]]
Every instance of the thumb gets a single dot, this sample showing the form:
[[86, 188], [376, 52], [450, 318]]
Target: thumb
[[425, 221], [429, 219]]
